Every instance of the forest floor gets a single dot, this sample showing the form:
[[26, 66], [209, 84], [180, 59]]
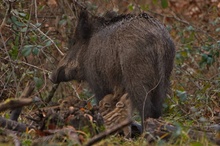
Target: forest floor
[[33, 38]]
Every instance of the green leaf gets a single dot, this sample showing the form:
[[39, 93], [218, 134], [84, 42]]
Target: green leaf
[[28, 46], [210, 60], [184, 53], [62, 22], [35, 51], [178, 131], [24, 29], [26, 51], [22, 14], [13, 19], [154, 2], [16, 22], [217, 29], [14, 52], [14, 27], [164, 3], [196, 144], [38, 82], [15, 11], [145, 7], [190, 28], [38, 24], [48, 43], [41, 7], [33, 38], [131, 7], [181, 94]]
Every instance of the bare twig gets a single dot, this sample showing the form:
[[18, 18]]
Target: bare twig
[[10, 60], [25, 63], [69, 132], [41, 32], [104, 134], [79, 4], [75, 91], [27, 92], [18, 103], [4, 19], [35, 9], [145, 99], [51, 93]]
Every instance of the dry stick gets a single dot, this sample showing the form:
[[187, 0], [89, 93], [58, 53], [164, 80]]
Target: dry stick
[[27, 92], [75, 91], [69, 7], [78, 4], [25, 63], [4, 44], [13, 125], [7, 12], [164, 130], [145, 99], [102, 135], [51, 93], [69, 132], [81, 6], [17, 103], [5, 47], [41, 32]]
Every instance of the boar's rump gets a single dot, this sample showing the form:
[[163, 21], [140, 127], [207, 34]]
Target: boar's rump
[[131, 52]]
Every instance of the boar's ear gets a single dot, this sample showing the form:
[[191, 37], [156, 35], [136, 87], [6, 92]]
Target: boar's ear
[[84, 27]]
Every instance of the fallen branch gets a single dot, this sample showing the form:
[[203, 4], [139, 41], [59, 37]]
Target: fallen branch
[[27, 92], [51, 93], [17, 103], [59, 134], [157, 128], [104, 134], [13, 125]]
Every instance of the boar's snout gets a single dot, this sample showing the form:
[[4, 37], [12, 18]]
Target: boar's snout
[[58, 76], [62, 74], [68, 69]]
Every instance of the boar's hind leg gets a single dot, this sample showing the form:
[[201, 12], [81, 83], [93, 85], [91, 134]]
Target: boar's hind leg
[[137, 93], [157, 99]]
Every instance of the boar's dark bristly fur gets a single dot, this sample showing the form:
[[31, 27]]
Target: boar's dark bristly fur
[[132, 52]]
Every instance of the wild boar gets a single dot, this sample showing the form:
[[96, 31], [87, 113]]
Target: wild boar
[[131, 52]]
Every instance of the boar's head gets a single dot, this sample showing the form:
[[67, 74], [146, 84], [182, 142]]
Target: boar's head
[[70, 67]]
